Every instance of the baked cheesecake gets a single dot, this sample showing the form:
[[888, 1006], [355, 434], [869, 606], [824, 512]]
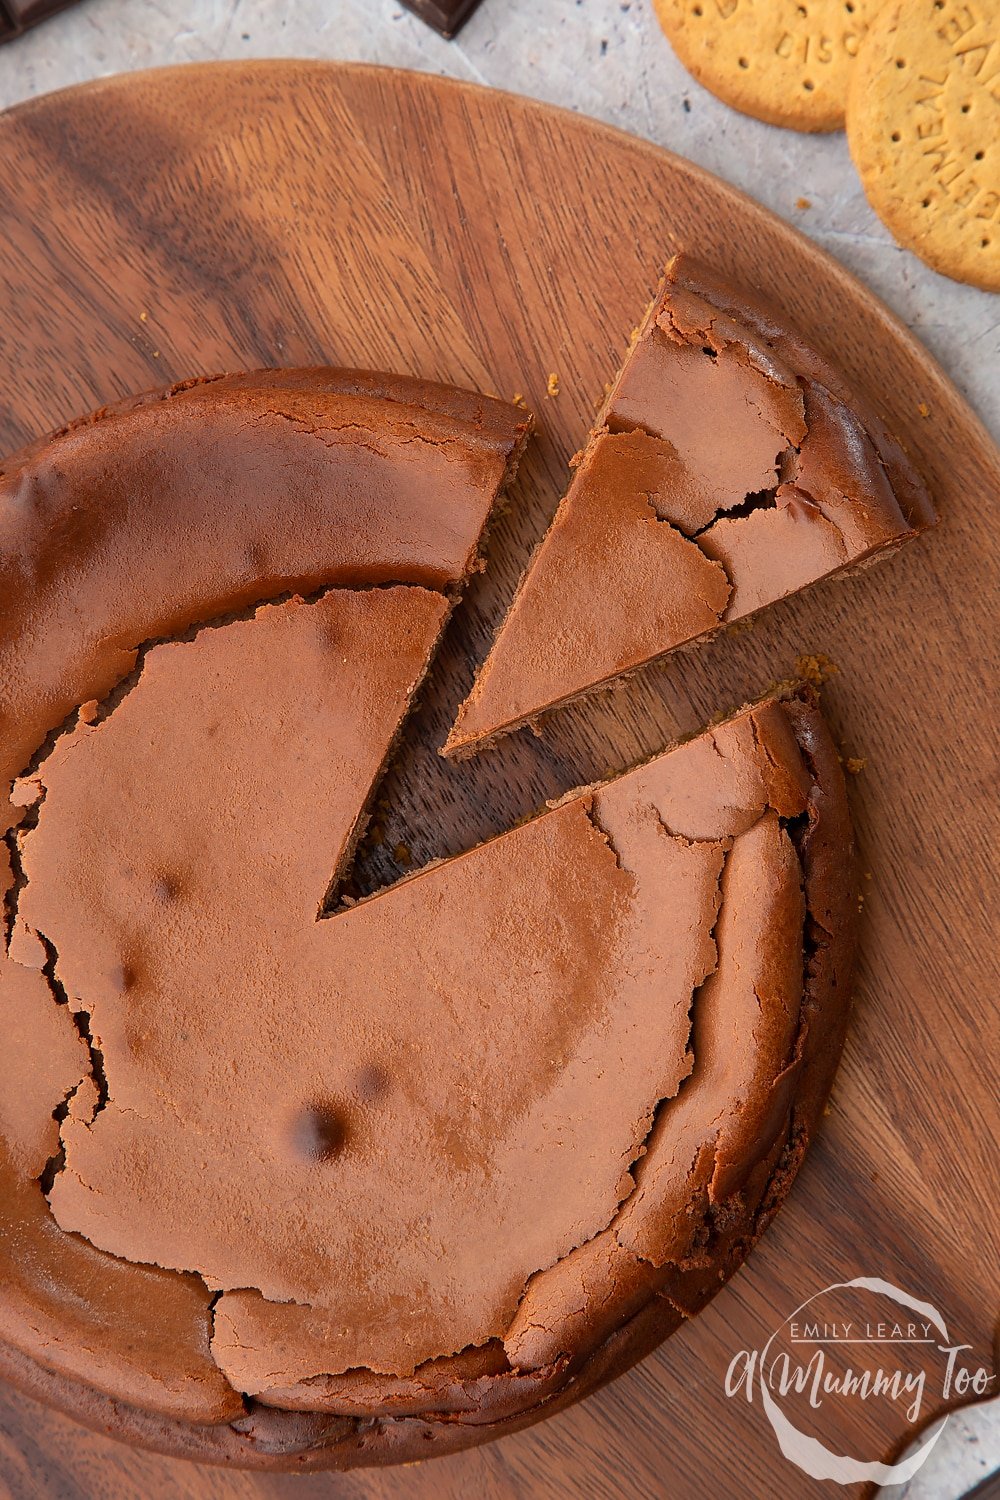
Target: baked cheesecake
[[731, 465]]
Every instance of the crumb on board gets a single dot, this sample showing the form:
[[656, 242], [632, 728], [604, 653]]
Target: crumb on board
[[518, 400], [855, 764], [552, 387], [144, 317], [924, 409], [803, 203], [401, 854], [868, 874], [740, 627], [815, 668]]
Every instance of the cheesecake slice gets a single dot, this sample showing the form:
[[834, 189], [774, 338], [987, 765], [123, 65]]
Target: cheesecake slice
[[729, 467]]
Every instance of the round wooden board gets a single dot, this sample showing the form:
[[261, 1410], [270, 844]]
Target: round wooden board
[[167, 224]]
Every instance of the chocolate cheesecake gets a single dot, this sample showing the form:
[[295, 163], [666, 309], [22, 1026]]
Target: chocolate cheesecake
[[143, 519], [730, 466], [291, 1180]]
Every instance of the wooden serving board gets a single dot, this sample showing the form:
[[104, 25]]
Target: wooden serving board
[[162, 225]]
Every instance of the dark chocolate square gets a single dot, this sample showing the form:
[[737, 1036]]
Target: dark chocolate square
[[446, 16], [17, 15]]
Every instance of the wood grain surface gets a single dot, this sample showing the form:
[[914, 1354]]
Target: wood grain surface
[[167, 224]]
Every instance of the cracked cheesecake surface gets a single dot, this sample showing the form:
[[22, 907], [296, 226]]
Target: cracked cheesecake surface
[[729, 467], [288, 1179], [139, 522], [214, 495]]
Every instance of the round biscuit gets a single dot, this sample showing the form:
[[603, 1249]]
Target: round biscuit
[[787, 62], [923, 126]]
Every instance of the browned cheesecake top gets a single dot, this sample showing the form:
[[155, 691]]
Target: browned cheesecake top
[[189, 503], [267, 1160], [729, 467], [141, 521], [134, 1331], [385, 1134]]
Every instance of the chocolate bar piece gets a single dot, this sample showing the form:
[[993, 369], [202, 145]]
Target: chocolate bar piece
[[446, 16], [17, 15]]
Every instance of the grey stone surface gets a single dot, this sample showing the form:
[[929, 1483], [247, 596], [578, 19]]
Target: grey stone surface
[[965, 1456], [605, 58]]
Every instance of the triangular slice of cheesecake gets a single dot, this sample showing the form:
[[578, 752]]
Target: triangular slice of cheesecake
[[730, 466]]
